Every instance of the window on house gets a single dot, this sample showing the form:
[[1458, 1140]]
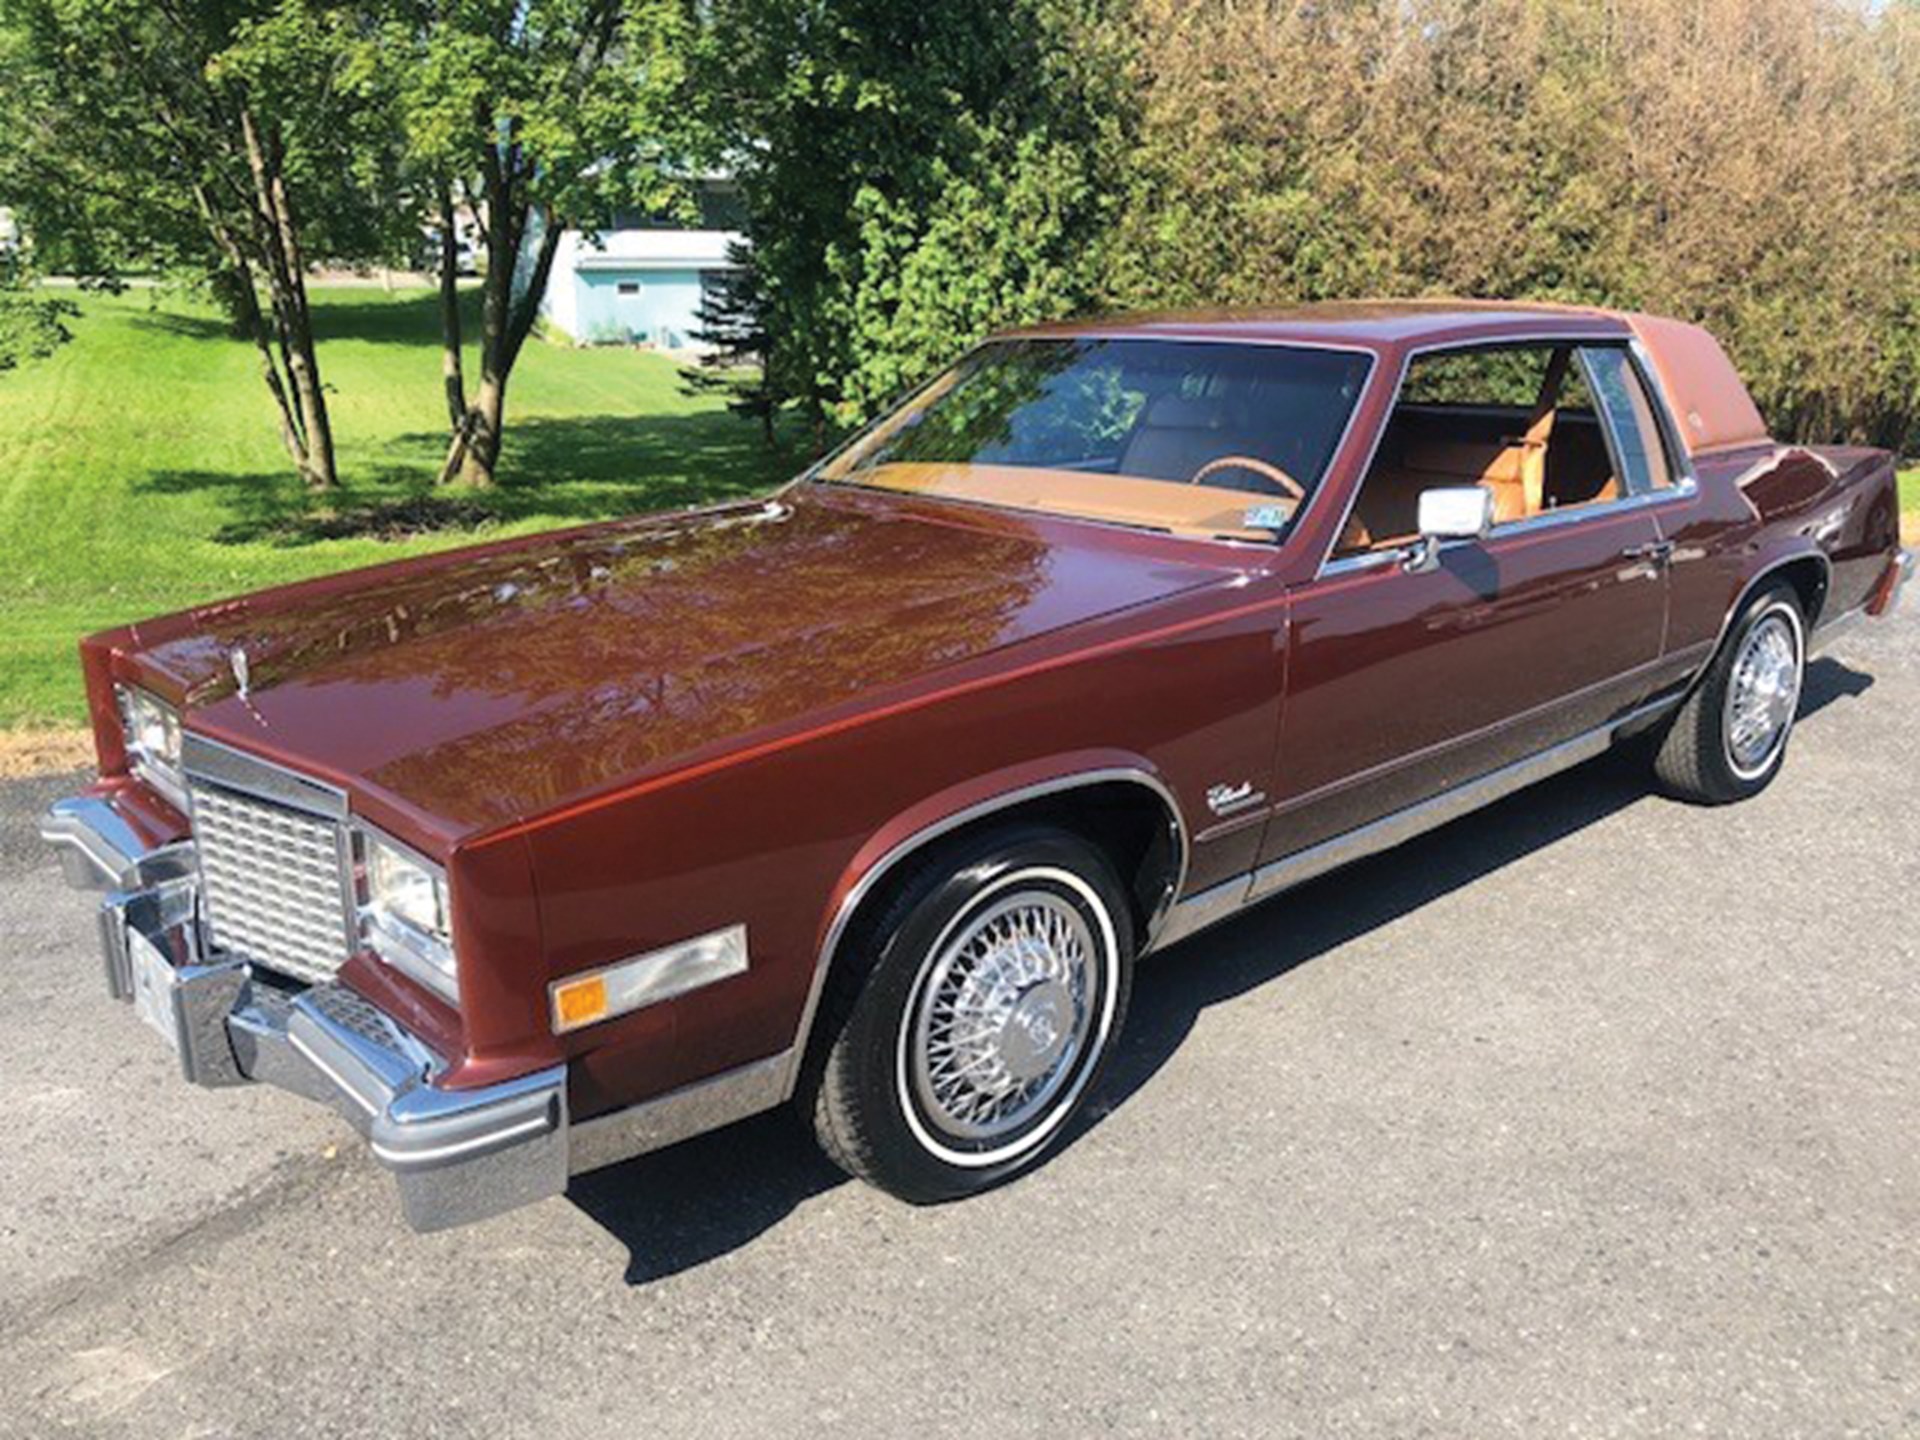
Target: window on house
[[629, 287]]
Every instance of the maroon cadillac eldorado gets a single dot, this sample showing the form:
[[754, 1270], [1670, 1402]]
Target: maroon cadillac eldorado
[[868, 797]]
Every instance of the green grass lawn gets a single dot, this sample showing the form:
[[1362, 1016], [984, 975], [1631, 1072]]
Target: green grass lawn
[[1910, 498], [140, 471]]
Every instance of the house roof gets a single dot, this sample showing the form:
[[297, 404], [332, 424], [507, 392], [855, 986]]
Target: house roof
[[649, 250]]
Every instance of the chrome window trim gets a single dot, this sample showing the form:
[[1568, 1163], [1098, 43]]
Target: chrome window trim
[[1397, 556], [1680, 462], [1372, 353], [1609, 437], [878, 871], [1679, 457]]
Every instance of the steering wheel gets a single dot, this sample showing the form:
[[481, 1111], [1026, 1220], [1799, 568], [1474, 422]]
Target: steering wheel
[[1288, 485]]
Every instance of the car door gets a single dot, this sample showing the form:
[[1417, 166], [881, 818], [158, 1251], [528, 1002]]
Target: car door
[[1402, 684]]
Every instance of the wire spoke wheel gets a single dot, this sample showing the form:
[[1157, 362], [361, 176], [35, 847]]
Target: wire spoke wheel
[[1762, 695], [1004, 1016]]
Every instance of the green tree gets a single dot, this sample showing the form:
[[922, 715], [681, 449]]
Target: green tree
[[913, 176], [737, 365], [226, 141], [1750, 164], [31, 326], [542, 116]]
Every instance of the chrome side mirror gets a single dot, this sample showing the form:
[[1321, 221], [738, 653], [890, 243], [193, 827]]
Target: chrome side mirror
[[1457, 512]]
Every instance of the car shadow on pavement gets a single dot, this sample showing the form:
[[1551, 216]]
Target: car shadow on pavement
[[682, 1207], [678, 1208]]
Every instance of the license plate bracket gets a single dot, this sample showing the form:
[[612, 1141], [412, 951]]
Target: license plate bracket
[[154, 982]]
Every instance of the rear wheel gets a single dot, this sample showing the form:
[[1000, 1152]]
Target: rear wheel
[[995, 980], [1730, 737]]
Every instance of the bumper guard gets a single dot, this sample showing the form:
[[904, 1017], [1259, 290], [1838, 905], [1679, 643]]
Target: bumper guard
[[458, 1155]]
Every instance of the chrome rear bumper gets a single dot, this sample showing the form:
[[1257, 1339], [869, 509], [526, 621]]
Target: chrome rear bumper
[[457, 1155], [1903, 567]]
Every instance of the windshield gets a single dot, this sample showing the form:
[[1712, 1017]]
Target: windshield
[[1191, 437]]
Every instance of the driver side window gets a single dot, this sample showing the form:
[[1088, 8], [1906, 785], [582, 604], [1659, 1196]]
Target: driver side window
[[1518, 420]]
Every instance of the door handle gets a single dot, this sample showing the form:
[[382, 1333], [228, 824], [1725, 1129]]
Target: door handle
[[1660, 552]]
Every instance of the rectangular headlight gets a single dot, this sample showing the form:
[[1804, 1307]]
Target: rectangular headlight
[[404, 915], [150, 730]]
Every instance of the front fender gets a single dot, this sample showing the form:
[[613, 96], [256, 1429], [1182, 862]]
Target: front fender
[[947, 810]]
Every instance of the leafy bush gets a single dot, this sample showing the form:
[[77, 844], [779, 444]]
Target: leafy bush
[[1745, 163]]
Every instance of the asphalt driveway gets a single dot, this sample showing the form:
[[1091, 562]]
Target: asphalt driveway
[[1590, 1115]]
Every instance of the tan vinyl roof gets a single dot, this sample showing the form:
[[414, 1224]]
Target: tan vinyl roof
[[1704, 391]]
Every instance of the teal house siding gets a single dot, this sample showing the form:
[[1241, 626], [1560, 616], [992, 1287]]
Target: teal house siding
[[636, 286], [649, 307]]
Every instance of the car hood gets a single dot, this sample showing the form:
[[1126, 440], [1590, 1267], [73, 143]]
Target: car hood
[[490, 684]]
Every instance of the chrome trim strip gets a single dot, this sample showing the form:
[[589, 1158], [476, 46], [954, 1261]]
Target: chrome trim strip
[[1679, 490], [864, 886], [222, 765], [1228, 899], [1390, 830], [1209, 907], [424, 1127], [1234, 824], [428, 1157], [1746, 593], [679, 1114]]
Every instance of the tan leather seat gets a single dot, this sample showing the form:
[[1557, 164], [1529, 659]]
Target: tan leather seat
[[1387, 509]]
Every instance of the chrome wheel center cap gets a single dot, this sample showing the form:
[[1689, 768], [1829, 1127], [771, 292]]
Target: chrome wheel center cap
[[1036, 1030]]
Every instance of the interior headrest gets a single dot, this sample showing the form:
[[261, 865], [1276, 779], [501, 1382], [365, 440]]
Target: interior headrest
[[1182, 412]]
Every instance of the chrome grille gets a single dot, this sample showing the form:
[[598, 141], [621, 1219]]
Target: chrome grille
[[273, 878]]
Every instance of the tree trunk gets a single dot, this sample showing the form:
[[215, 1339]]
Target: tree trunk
[[293, 317], [473, 455], [236, 283], [450, 337], [479, 448], [255, 324]]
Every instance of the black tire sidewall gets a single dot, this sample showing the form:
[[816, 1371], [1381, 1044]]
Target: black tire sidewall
[[906, 1143]]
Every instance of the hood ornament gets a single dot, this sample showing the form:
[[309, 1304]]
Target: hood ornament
[[242, 670]]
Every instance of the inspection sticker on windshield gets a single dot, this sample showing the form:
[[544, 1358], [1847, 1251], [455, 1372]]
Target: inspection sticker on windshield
[[1265, 517]]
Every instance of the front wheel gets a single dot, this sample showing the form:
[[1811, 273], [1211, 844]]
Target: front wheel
[[995, 981], [1730, 737]]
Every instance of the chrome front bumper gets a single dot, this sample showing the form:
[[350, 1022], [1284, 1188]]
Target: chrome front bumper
[[458, 1155]]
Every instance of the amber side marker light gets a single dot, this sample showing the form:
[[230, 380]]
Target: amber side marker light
[[579, 1002], [647, 979]]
